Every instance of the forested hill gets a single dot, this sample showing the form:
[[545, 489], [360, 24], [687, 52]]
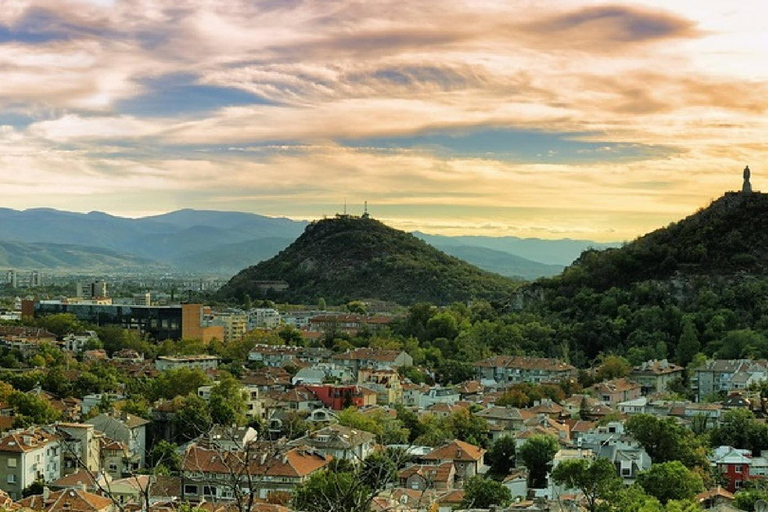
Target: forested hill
[[697, 285], [729, 237], [343, 259]]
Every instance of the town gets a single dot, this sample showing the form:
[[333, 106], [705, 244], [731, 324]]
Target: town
[[111, 404]]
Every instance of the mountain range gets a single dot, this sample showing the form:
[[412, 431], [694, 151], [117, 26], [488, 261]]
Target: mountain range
[[223, 243]]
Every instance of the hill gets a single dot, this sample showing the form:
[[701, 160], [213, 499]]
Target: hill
[[67, 257], [727, 238], [343, 259]]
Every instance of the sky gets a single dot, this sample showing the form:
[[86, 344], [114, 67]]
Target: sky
[[534, 118]]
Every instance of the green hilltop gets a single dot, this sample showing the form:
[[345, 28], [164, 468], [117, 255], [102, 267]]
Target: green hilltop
[[347, 258]]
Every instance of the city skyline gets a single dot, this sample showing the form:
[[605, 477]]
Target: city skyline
[[578, 119]]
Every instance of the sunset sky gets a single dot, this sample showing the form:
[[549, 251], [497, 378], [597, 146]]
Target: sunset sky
[[551, 119]]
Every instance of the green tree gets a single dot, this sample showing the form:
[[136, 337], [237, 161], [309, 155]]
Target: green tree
[[480, 492], [192, 417], [178, 382], [227, 402], [166, 454], [666, 440], [501, 456], [670, 481], [740, 429], [537, 454], [596, 479], [325, 491], [613, 367], [688, 345]]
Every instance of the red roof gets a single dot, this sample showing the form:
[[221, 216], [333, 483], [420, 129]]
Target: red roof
[[456, 450]]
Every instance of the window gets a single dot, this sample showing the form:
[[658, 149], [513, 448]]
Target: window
[[11, 463], [738, 469], [190, 489], [113, 466], [11, 479], [209, 490], [626, 471]]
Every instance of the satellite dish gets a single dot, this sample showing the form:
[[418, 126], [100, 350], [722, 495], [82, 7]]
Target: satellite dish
[[761, 506]]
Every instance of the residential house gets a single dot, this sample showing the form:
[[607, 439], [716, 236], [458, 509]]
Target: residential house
[[128, 429], [68, 500], [27, 456], [439, 395], [81, 447], [213, 475], [725, 375], [610, 441], [614, 391], [654, 376], [340, 396], [199, 361], [373, 358], [385, 382], [339, 442], [467, 458], [322, 373], [275, 356], [733, 466], [516, 369], [517, 483], [421, 477], [82, 479]]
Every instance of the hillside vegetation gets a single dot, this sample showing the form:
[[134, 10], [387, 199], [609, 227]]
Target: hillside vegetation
[[342, 259]]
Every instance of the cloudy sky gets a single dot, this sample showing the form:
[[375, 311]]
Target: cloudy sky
[[581, 119]]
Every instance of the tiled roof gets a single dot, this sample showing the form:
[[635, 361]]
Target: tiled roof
[[431, 473], [371, 354], [68, 500], [296, 463], [525, 363], [616, 386], [24, 440], [456, 450]]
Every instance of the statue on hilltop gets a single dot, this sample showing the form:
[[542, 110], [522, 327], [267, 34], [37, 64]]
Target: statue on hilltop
[[747, 187]]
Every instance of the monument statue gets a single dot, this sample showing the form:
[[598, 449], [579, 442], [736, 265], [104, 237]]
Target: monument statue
[[747, 187]]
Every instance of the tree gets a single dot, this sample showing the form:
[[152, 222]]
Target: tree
[[165, 455], [227, 402], [192, 418], [480, 492], [178, 382], [670, 481], [665, 440], [501, 456], [688, 345], [740, 429], [596, 479], [325, 491], [613, 367], [536, 454]]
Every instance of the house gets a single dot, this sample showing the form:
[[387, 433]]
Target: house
[[421, 477], [199, 361], [517, 483], [614, 391], [300, 399], [146, 489], [509, 418], [276, 356], [230, 438], [385, 382], [27, 456], [725, 375], [515, 369], [654, 376], [68, 500], [81, 447], [339, 442], [373, 358], [733, 465], [91, 482], [611, 442], [561, 456], [439, 395], [340, 396], [127, 429], [467, 458], [213, 475]]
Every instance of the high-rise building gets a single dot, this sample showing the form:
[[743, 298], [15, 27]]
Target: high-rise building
[[35, 279], [12, 279]]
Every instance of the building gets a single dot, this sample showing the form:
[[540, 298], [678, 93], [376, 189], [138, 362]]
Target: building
[[27, 456], [263, 318], [725, 375], [213, 475], [233, 321], [516, 369], [386, 384], [341, 396], [128, 429], [339, 442], [733, 465], [81, 447], [655, 376], [12, 279], [373, 358], [613, 392], [158, 322], [68, 500], [92, 290], [420, 477], [468, 459], [254, 408], [200, 361]]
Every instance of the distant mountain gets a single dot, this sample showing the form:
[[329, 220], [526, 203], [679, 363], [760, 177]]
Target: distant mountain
[[225, 242], [502, 262], [343, 259], [67, 257], [551, 252]]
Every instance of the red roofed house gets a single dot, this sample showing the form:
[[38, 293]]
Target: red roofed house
[[422, 477], [373, 358], [27, 456], [467, 458], [69, 500], [212, 475], [613, 392]]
